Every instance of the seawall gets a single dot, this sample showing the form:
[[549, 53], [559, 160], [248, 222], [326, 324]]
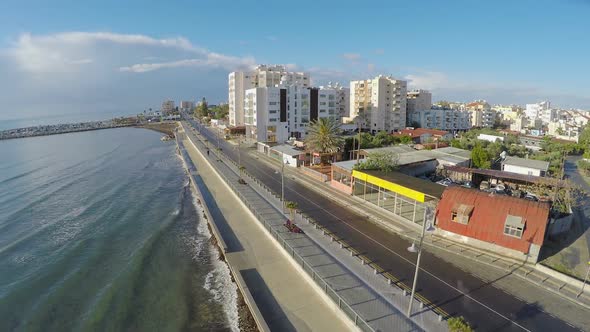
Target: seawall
[[236, 275]]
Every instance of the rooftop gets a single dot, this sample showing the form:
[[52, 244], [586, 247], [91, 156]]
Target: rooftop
[[528, 163], [507, 175], [287, 149], [424, 186], [416, 132], [488, 215]]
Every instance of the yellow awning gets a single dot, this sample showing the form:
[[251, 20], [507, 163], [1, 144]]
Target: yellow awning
[[394, 187]]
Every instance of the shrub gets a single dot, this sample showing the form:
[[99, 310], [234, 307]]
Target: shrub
[[458, 324]]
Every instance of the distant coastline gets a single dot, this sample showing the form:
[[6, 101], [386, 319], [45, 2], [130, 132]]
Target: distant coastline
[[45, 130]]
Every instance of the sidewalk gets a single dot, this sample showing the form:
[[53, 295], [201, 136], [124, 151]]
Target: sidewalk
[[388, 220], [287, 301], [340, 274]]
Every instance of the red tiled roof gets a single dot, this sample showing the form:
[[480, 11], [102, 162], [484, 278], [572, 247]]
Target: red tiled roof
[[488, 217], [421, 131]]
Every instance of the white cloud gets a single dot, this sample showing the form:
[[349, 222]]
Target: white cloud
[[213, 60], [351, 56], [427, 80], [271, 38], [96, 71], [59, 52]]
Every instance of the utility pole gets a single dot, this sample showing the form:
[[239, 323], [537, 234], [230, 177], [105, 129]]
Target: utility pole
[[358, 153], [282, 184], [419, 249]]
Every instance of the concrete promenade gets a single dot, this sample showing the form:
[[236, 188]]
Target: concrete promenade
[[356, 288], [286, 298]]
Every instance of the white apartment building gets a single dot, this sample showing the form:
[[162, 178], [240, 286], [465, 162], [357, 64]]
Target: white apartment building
[[334, 101], [520, 124], [261, 76], [168, 107], [439, 118], [417, 100], [274, 114], [549, 115], [482, 114], [532, 111], [379, 104], [187, 105]]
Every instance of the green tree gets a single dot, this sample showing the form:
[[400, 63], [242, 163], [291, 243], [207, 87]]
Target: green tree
[[382, 161], [458, 324], [584, 138], [324, 136], [202, 110], [405, 139], [220, 112], [292, 206], [480, 157]]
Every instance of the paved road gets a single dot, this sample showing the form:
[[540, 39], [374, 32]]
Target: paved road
[[459, 293]]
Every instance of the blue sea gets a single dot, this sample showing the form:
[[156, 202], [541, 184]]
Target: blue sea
[[99, 231]]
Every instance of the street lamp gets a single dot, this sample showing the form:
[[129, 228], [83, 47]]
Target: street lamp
[[413, 248], [283, 181]]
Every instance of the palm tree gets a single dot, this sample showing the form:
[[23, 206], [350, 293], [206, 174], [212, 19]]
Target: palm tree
[[324, 136], [292, 206]]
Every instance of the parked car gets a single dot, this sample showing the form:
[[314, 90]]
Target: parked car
[[484, 185], [531, 197], [467, 184], [445, 182]]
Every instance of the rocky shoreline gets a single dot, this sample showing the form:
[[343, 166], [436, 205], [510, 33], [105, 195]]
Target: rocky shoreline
[[246, 322]]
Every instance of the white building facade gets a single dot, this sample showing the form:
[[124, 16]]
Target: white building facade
[[439, 118], [261, 76], [417, 100], [168, 107], [187, 106], [533, 111], [379, 104], [274, 114]]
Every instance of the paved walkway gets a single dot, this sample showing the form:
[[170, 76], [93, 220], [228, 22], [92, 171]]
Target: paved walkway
[[546, 291], [287, 300], [310, 250]]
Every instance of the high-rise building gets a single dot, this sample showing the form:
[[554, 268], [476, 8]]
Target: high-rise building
[[274, 114], [261, 76], [532, 111], [168, 107], [334, 101], [187, 105], [379, 104], [482, 114], [418, 100]]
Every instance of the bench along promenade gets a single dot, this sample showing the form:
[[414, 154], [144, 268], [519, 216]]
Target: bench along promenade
[[371, 300]]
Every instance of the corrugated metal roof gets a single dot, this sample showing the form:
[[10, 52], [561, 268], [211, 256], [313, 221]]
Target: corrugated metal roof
[[529, 163], [507, 175], [487, 220], [346, 165], [394, 149], [455, 151], [287, 149]]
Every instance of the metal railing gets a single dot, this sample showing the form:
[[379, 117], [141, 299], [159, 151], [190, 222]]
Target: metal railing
[[373, 271], [274, 200]]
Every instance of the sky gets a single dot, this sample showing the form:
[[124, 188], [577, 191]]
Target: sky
[[73, 57]]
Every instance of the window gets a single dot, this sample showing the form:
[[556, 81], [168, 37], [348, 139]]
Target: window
[[460, 213], [514, 226]]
